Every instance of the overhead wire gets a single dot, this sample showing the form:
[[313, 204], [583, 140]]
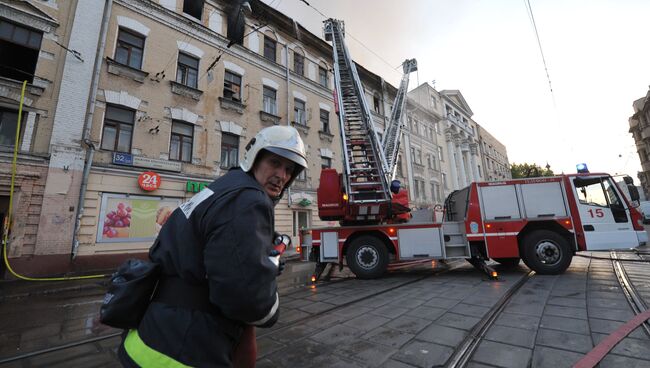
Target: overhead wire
[[539, 43], [356, 39]]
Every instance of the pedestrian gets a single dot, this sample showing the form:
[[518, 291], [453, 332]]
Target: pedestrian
[[218, 266]]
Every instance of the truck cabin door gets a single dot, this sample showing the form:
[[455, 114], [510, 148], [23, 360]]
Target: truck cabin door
[[603, 213]]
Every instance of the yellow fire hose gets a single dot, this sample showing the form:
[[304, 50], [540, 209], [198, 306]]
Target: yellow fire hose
[[8, 218]]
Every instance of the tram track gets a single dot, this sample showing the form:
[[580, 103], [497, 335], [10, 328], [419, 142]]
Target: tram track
[[634, 299], [463, 353], [426, 274]]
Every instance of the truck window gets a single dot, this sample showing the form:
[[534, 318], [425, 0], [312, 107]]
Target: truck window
[[590, 192], [615, 202], [600, 192]]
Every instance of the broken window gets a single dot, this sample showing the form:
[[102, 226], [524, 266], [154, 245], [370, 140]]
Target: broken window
[[232, 86], [193, 8], [19, 48]]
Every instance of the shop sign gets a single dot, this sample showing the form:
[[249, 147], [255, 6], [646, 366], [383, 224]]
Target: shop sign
[[195, 186], [128, 159], [125, 218], [149, 181]]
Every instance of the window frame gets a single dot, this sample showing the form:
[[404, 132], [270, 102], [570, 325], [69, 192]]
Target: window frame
[[129, 47], [325, 162], [118, 128], [322, 76], [230, 146], [324, 123], [183, 70], [186, 11], [12, 137], [296, 115], [229, 88], [268, 42], [274, 99], [296, 58], [181, 141], [296, 220]]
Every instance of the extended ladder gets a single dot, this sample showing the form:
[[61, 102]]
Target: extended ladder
[[365, 177], [393, 131]]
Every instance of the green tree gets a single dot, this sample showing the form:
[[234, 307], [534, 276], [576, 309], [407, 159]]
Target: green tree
[[529, 171]]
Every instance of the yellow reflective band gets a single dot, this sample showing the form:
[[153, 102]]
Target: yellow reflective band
[[145, 356]]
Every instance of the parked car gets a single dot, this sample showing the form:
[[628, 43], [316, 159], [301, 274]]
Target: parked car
[[644, 207]]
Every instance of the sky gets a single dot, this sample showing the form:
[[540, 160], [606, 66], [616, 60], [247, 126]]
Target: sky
[[595, 50]]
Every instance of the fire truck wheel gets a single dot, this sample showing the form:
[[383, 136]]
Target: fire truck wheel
[[367, 257], [546, 252], [508, 262]]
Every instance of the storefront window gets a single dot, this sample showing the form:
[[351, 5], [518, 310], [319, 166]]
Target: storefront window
[[125, 218], [300, 221]]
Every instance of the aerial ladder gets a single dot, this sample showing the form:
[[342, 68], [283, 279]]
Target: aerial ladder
[[361, 194], [393, 131]]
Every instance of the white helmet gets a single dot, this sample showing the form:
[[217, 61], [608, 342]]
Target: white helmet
[[282, 140]]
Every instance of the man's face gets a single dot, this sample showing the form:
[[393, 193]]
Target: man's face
[[273, 172]]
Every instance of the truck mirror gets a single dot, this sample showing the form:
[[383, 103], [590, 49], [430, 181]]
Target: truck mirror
[[628, 180], [634, 193]]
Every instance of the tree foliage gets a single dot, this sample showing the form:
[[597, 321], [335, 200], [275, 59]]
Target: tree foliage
[[529, 171]]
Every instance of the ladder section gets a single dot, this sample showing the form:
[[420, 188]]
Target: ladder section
[[455, 240], [364, 163], [393, 132]]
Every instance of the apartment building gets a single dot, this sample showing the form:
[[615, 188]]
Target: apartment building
[[639, 124], [494, 157], [36, 48], [177, 106]]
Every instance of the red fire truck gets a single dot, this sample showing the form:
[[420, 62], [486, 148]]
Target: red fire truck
[[543, 221]]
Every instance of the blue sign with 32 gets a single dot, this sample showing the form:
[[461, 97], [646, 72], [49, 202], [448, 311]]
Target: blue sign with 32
[[120, 158]]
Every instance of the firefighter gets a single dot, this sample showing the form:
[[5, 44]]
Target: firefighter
[[400, 202], [217, 263]]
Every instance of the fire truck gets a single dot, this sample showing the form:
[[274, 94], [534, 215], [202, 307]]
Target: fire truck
[[542, 221]]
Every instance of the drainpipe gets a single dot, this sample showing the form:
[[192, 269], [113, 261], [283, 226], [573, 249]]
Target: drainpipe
[[286, 59], [90, 110]]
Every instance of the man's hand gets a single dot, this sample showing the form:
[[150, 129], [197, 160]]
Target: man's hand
[[281, 239]]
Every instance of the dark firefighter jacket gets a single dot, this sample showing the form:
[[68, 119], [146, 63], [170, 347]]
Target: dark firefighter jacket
[[222, 237]]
